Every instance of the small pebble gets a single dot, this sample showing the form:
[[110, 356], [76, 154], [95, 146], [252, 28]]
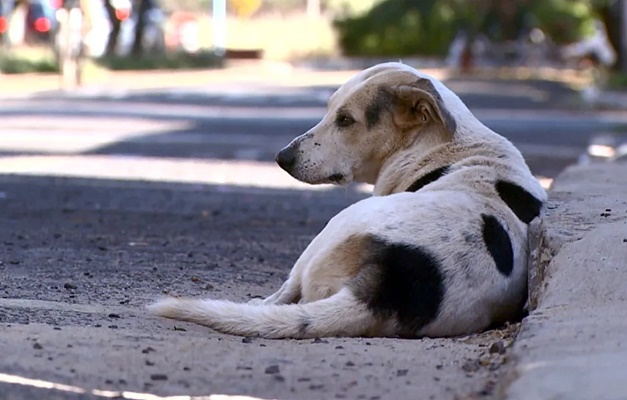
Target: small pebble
[[159, 377], [273, 369], [402, 372], [497, 347], [471, 366], [247, 340], [37, 346], [69, 286], [114, 316], [148, 350]]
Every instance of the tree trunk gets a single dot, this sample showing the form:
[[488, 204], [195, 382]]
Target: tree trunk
[[622, 42], [139, 28], [112, 42], [610, 14]]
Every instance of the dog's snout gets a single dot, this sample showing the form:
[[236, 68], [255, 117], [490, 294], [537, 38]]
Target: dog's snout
[[286, 158]]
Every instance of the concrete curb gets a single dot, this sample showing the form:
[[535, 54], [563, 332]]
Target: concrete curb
[[573, 344]]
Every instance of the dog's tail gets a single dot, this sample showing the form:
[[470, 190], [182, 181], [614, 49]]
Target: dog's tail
[[339, 315]]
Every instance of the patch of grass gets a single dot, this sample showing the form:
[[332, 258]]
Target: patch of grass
[[21, 60], [617, 80], [166, 61], [28, 60]]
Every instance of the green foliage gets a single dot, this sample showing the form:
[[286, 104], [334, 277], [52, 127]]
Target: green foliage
[[181, 60], [617, 81], [564, 21], [399, 28], [345, 8], [13, 64], [426, 27]]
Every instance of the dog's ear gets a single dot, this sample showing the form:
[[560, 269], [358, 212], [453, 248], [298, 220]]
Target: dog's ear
[[418, 104]]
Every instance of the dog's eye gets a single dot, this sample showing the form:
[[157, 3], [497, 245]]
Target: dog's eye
[[344, 120]]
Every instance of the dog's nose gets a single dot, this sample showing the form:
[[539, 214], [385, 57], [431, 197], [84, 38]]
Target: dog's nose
[[286, 158]]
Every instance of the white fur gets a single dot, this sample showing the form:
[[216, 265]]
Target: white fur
[[318, 298]]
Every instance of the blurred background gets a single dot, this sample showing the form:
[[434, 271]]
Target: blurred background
[[133, 34], [235, 80]]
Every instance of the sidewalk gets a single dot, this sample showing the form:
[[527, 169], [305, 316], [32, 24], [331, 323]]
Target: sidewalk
[[573, 345]]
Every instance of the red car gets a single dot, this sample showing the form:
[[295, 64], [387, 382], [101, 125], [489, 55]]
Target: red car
[[41, 23]]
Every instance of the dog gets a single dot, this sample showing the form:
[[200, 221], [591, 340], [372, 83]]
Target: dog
[[439, 250]]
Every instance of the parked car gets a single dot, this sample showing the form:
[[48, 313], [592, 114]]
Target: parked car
[[6, 7], [41, 22]]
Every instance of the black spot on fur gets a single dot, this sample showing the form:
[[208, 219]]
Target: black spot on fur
[[403, 281], [521, 202], [379, 103], [427, 179], [499, 244]]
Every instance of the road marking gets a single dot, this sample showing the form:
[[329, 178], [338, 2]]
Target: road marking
[[198, 171], [56, 306], [110, 394]]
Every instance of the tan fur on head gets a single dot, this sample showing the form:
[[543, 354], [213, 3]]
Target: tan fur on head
[[419, 103], [374, 115]]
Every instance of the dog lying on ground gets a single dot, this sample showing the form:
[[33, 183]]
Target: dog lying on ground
[[439, 250]]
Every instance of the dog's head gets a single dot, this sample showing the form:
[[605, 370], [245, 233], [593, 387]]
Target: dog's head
[[382, 110]]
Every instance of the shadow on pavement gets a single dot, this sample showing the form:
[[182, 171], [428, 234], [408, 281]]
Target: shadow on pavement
[[253, 123], [124, 242]]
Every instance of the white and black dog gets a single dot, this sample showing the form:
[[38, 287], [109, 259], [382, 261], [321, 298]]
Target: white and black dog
[[439, 250]]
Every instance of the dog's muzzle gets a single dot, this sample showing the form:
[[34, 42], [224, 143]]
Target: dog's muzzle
[[286, 158]]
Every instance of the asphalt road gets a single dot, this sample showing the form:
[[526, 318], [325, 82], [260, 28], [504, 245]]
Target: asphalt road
[[250, 122], [80, 256]]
